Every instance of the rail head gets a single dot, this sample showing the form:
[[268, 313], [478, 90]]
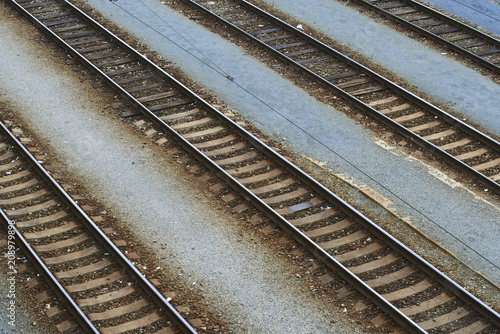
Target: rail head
[[15, 236], [458, 124], [439, 39], [407, 322], [159, 299], [365, 289], [49, 278]]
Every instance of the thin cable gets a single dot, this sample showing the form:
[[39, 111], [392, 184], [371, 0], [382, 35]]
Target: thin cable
[[477, 10], [370, 177], [217, 70], [184, 38]]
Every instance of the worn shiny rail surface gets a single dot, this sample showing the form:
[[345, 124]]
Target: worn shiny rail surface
[[476, 45], [421, 122], [100, 287], [394, 278]]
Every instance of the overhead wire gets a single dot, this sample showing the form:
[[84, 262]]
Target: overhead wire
[[479, 11], [214, 66], [223, 73]]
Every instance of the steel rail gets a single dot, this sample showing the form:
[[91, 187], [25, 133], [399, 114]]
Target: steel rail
[[49, 278], [435, 37], [100, 236], [361, 286], [395, 313], [456, 123], [38, 263]]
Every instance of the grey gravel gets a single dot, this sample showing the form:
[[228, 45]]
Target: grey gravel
[[433, 72], [22, 321], [433, 202], [247, 284]]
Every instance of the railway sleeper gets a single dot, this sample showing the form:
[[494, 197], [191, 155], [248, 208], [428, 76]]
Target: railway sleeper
[[409, 291], [439, 135], [102, 55], [43, 10], [21, 199], [472, 154], [410, 117], [132, 325], [357, 253], [491, 51], [204, 133], [81, 238], [31, 209], [42, 220], [202, 122], [330, 229], [427, 126], [416, 17], [19, 186], [52, 231], [56, 16], [266, 176], [10, 165], [275, 187], [374, 265], [95, 283], [487, 165], [83, 270], [444, 319], [78, 35], [209, 145], [311, 219], [43, 4], [95, 48], [302, 206], [410, 11], [345, 240], [14, 177], [68, 28], [94, 39], [238, 159], [233, 148], [73, 256]]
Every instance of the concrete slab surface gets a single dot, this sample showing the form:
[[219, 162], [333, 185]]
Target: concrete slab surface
[[484, 13], [278, 108], [247, 284], [431, 71]]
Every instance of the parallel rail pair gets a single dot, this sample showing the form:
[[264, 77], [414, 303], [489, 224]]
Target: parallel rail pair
[[474, 44], [392, 276], [454, 141], [74, 256]]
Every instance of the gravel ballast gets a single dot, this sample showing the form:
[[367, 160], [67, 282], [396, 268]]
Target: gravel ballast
[[431, 71], [250, 286], [431, 200], [14, 319]]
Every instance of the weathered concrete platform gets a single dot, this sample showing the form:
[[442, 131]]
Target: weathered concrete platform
[[433, 202]]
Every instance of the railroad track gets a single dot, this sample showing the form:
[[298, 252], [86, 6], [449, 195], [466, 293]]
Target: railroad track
[[100, 287], [424, 124], [474, 44], [410, 290]]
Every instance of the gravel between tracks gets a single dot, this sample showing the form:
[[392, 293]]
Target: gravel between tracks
[[427, 190], [247, 284], [24, 321], [432, 72]]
